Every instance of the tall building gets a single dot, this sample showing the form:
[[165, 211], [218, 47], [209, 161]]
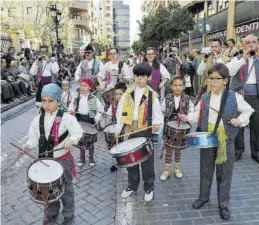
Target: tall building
[[150, 6], [81, 16], [107, 19], [121, 26]]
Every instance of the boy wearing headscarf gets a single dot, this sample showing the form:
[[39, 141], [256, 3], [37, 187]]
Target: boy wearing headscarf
[[50, 130]]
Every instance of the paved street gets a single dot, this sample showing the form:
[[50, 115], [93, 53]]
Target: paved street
[[97, 191]]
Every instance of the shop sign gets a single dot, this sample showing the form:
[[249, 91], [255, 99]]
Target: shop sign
[[247, 28], [221, 34], [197, 40]]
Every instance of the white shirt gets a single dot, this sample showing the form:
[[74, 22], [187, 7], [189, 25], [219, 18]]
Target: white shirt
[[84, 109], [68, 122], [157, 116], [113, 69], [48, 68], [78, 73], [177, 104], [64, 96], [234, 65], [203, 65], [243, 108]]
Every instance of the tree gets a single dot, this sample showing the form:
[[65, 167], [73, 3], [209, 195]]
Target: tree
[[100, 44], [165, 24], [137, 46]]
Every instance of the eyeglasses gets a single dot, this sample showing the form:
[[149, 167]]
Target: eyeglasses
[[214, 80], [88, 53], [150, 54], [113, 53]]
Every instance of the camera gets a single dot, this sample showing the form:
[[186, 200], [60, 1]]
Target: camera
[[40, 58], [252, 53], [170, 56]]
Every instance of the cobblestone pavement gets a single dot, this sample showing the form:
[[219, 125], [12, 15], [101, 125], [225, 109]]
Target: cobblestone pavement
[[172, 204], [95, 188], [97, 191]]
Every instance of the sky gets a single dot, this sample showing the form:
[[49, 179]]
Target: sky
[[135, 14]]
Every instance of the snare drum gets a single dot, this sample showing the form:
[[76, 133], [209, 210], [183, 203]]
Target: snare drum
[[108, 96], [132, 152], [175, 136], [202, 140], [89, 136], [110, 137], [46, 183]]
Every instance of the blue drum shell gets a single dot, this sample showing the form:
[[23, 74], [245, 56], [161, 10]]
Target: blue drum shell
[[201, 140]]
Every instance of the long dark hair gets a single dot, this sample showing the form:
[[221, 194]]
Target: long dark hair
[[155, 62]]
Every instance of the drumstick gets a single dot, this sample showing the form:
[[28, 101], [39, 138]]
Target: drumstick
[[136, 131], [58, 149], [224, 117], [29, 154]]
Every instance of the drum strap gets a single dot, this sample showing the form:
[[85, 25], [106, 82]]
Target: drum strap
[[48, 145], [149, 114], [221, 109], [77, 102]]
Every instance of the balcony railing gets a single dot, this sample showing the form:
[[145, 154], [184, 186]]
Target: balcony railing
[[83, 5]]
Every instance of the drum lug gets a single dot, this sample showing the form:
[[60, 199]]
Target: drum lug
[[132, 157]]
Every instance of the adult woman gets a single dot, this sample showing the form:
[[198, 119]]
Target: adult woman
[[160, 75], [114, 70]]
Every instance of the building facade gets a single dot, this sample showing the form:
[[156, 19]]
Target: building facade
[[121, 26], [220, 19]]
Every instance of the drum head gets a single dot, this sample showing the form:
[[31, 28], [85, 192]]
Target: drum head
[[41, 173], [110, 129], [198, 134], [182, 126], [128, 145], [87, 128]]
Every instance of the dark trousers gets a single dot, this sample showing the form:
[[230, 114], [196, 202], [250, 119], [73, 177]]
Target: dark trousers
[[68, 197], [147, 168], [7, 92], [44, 81], [223, 173], [254, 130]]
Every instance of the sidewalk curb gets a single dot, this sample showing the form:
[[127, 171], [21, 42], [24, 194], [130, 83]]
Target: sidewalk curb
[[7, 115]]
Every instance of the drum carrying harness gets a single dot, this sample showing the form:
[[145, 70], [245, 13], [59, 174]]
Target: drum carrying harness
[[48, 145]]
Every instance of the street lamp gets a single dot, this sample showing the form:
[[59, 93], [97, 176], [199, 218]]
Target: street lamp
[[56, 15]]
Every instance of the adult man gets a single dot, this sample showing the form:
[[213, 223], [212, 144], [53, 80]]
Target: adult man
[[90, 67], [9, 57], [209, 59], [44, 69], [245, 72], [196, 60], [232, 50]]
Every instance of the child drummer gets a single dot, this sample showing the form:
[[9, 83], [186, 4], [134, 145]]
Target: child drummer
[[67, 95], [139, 108], [173, 104], [87, 108], [229, 105], [120, 88], [58, 130]]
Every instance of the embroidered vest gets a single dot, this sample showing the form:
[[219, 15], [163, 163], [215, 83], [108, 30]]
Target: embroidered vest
[[170, 106], [128, 107], [114, 106], [155, 78], [92, 105], [88, 72], [230, 111], [240, 79]]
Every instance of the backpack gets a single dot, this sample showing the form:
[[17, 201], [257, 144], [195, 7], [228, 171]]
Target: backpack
[[171, 66]]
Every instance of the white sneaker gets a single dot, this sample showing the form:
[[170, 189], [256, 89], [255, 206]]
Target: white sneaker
[[80, 164], [126, 193], [149, 196], [91, 164]]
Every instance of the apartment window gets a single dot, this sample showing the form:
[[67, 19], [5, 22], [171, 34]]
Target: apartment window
[[11, 11], [29, 10]]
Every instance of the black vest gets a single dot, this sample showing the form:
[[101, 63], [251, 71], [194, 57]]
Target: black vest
[[48, 145]]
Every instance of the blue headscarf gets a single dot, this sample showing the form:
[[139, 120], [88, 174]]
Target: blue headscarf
[[52, 90]]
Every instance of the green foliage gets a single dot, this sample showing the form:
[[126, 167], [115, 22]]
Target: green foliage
[[137, 46], [100, 44], [165, 24]]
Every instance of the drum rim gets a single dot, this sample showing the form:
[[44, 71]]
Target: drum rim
[[48, 158], [136, 163], [201, 134], [179, 127], [132, 150], [108, 126]]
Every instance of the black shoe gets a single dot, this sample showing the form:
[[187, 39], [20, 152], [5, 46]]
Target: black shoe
[[113, 168], [68, 221], [255, 158], [224, 213], [237, 157], [198, 203], [52, 218]]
